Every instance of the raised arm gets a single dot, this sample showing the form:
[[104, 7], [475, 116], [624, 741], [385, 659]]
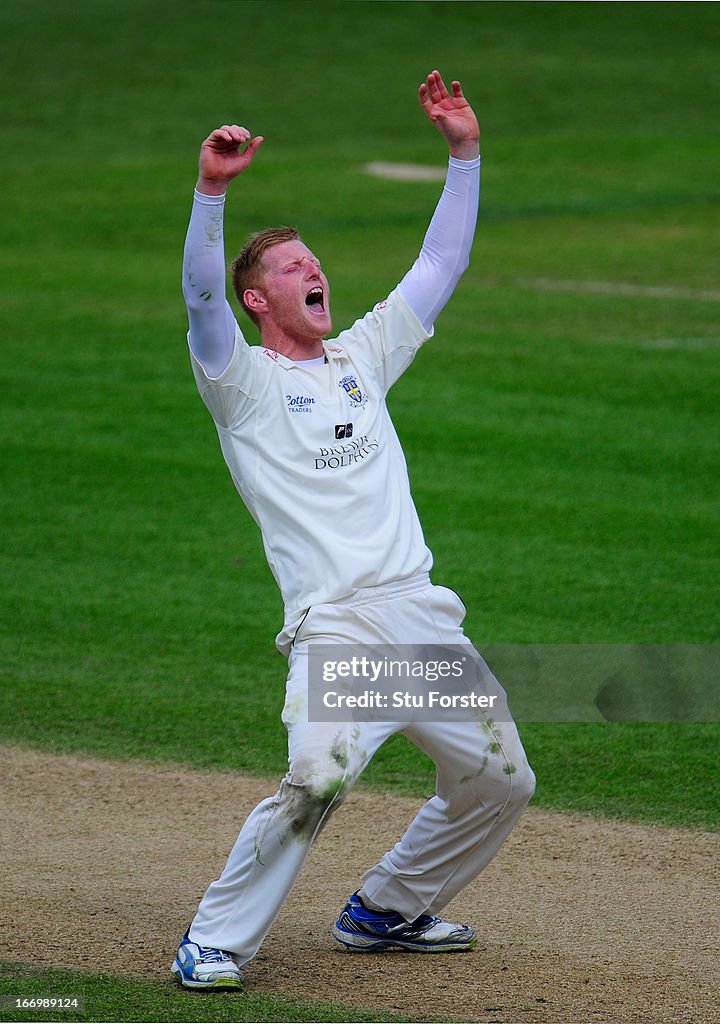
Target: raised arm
[[445, 252], [212, 323]]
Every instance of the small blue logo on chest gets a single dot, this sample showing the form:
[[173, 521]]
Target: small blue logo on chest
[[352, 389], [300, 403]]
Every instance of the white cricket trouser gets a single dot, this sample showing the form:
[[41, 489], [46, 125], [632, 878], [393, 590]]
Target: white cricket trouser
[[483, 782]]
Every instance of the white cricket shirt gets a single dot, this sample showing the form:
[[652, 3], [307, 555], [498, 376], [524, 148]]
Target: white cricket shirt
[[316, 459]]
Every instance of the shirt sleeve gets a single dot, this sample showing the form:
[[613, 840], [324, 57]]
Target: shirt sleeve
[[212, 324], [445, 253], [231, 396]]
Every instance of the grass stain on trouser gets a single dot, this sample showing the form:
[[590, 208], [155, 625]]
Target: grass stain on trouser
[[305, 807]]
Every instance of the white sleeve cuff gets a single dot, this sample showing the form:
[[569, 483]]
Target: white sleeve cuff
[[464, 165], [209, 200]]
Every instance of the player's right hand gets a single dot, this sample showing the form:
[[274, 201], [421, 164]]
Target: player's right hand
[[222, 156]]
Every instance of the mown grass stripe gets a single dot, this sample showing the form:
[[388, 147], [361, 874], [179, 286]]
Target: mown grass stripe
[[108, 997]]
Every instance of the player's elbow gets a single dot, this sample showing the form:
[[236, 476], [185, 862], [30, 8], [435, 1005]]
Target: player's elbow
[[197, 297]]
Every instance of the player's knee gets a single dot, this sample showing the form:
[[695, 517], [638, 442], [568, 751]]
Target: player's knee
[[331, 792], [307, 804], [514, 782], [496, 783], [314, 787], [522, 784]]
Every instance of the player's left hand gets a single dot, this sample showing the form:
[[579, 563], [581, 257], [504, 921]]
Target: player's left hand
[[452, 115]]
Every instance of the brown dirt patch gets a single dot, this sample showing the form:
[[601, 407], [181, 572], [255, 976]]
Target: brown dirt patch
[[579, 919]]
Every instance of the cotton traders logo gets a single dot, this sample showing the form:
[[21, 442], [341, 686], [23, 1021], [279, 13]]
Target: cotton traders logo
[[299, 403], [351, 387]]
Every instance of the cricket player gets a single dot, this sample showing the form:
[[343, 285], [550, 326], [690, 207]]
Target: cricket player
[[306, 435]]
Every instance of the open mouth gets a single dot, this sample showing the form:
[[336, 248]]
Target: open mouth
[[315, 300]]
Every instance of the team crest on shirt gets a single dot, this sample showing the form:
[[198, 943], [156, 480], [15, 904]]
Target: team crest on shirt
[[351, 388]]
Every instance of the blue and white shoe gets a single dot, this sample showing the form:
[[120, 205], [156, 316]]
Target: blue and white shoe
[[204, 967], [372, 931]]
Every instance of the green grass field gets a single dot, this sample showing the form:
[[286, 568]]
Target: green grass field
[[562, 436]]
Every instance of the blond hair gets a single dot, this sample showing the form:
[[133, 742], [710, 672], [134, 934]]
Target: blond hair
[[246, 268]]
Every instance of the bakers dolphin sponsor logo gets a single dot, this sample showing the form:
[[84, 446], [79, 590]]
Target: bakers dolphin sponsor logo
[[346, 454], [300, 403], [352, 389]]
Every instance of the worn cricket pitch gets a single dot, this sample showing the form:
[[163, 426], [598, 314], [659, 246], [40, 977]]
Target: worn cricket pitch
[[579, 919]]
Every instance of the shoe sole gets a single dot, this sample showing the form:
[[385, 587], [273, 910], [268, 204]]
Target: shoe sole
[[218, 983], [371, 944]]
